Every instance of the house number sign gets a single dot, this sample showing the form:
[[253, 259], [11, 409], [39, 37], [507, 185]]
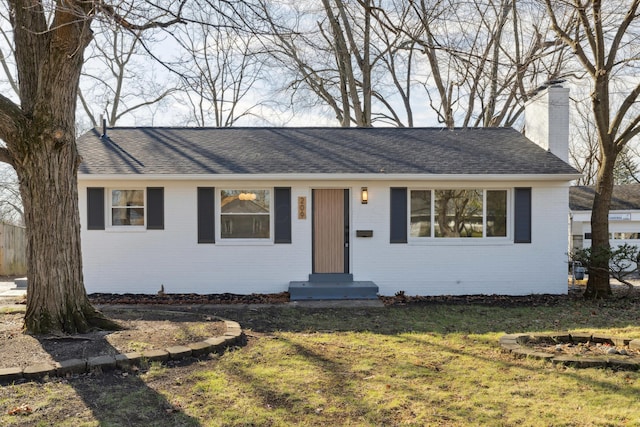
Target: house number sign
[[302, 207]]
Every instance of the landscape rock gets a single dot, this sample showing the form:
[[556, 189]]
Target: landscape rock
[[8, 375], [38, 371], [71, 366], [101, 362]]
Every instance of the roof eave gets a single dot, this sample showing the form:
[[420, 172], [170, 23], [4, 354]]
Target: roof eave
[[328, 177]]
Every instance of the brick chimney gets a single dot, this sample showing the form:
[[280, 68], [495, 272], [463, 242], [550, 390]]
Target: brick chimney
[[547, 119]]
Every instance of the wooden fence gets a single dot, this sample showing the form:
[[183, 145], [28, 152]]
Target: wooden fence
[[13, 250]]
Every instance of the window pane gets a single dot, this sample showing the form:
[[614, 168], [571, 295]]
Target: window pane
[[458, 213], [496, 213], [127, 216], [244, 201], [245, 214], [127, 207], [244, 227], [420, 213], [127, 198], [626, 236]]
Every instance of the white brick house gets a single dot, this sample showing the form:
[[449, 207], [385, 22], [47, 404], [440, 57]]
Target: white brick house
[[421, 210]]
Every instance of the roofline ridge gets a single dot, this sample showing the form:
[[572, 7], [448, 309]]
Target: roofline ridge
[[230, 128]]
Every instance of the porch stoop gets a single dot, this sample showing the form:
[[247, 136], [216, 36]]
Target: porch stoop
[[332, 287]]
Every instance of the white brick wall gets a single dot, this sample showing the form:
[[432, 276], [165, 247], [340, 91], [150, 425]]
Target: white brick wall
[[547, 121], [142, 261], [469, 267]]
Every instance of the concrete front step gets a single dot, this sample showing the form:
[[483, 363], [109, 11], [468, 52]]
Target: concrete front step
[[320, 290], [331, 277]]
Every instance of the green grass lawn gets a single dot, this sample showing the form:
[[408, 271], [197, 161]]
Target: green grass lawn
[[408, 365]]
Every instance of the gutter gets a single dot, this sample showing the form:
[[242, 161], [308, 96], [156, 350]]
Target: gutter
[[328, 177]]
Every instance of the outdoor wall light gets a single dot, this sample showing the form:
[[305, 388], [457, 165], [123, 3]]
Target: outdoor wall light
[[364, 195]]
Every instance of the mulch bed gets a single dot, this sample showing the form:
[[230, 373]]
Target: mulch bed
[[188, 299], [489, 300], [280, 298], [574, 294]]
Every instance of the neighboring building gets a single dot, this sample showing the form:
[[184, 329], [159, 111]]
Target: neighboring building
[[13, 250], [248, 210], [624, 215]]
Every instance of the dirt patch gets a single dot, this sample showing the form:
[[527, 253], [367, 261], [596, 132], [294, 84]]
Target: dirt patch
[[143, 330]]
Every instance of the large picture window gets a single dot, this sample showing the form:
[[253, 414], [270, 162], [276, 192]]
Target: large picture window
[[460, 213], [245, 214], [127, 207]]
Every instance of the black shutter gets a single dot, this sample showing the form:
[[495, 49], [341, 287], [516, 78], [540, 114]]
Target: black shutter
[[282, 220], [398, 226], [155, 208], [522, 215], [206, 215], [95, 208]]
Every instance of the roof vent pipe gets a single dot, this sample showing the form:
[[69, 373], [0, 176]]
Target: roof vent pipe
[[104, 126]]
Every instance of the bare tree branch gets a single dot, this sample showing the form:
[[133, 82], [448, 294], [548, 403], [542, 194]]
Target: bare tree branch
[[111, 11], [604, 28]]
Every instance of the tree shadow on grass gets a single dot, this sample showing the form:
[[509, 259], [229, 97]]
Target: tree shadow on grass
[[330, 382], [113, 396], [115, 400], [323, 393], [435, 318], [439, 320]]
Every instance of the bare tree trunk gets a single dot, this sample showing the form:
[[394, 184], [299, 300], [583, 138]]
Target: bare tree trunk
[[496, 39], [343, 56], [598, 285], [50, 39], [366, 66], [40, 138], [616, 126], [56, 298], [445, 112]]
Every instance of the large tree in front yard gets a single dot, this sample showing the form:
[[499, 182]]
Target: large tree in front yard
[[50, 39], [605, 43]]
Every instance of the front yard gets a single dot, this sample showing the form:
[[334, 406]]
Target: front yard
[[431, 364]]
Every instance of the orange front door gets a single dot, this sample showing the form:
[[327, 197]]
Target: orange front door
[[330, 231]]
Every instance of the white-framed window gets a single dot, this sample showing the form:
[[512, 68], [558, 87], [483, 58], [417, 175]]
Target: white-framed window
[[245, 214], [126, 207], [458, 213], [626, 235]]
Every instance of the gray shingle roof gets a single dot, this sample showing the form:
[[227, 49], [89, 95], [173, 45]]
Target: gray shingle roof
[[154, 150], [625, 197]]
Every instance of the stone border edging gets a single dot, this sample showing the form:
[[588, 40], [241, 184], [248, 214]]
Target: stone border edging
[[124, 361], [516, 345]]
